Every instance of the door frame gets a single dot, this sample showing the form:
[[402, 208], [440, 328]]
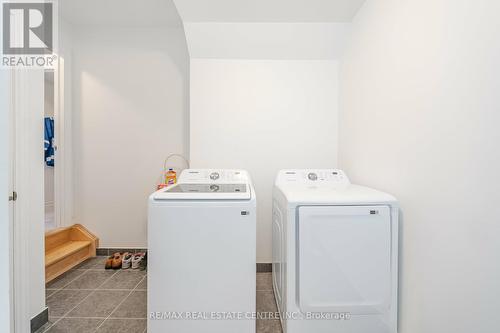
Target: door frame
[[62, 129], [62, 173]]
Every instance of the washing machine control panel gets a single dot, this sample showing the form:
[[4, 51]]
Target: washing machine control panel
[[313, 176], [219, 176]]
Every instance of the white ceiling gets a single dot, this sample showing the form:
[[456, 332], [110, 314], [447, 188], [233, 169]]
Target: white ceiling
[[253, 29], [120, 13], [268, 10], [150, 13]]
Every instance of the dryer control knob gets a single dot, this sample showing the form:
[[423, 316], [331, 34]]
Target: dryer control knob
[[312, 176], [214, 175]]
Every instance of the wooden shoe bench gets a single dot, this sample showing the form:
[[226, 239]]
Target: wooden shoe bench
[[67, 247]]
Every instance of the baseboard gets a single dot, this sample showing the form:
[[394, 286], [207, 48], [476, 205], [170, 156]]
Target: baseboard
[[107, 251], [39, 320], [261, 267], [264, 267]]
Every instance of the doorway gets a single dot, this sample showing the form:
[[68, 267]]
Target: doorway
[[49, 150]]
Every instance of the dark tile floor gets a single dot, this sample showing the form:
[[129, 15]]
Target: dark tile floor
[[92, 299]]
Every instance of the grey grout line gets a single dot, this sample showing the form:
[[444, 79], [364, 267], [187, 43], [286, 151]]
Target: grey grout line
[[59, 289], [123, 300], [100, 269], [64, 316], [102, 289], [129, 318]]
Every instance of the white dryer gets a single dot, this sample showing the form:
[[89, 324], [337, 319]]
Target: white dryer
[[335, 254], [202, 254]]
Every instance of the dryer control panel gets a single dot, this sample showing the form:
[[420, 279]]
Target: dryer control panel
[[313, 176], [218, 176]]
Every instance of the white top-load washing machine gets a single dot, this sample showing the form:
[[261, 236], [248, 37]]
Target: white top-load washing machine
[[335, 254], [202, 254]]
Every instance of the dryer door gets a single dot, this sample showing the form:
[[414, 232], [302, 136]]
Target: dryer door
[[344, 259]]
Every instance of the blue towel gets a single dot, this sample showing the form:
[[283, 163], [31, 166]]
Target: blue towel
[[49, 141]]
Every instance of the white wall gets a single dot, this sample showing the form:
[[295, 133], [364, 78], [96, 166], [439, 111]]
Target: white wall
[[48, 97], [265, 40], [263, 116], [419, 118], [130, 89]]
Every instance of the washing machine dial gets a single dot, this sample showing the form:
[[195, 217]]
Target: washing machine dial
[[214, 188], [214, 175], [312, 176]]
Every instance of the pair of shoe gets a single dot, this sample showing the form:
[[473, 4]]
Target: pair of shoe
[[114, 261], [125, 261], [143, 264], [132, 260], [140, 260]]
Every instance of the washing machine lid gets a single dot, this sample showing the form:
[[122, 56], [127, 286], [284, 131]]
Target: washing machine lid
[[212, 191], [326, 186], [335, 195]]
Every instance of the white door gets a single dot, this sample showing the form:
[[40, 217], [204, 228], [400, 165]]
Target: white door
[[28, 255], [344, 259]]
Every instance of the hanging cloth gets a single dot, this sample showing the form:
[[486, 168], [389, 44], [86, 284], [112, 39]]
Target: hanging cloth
[[49, 141]]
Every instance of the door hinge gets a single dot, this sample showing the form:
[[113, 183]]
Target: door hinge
[[13, 197]]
